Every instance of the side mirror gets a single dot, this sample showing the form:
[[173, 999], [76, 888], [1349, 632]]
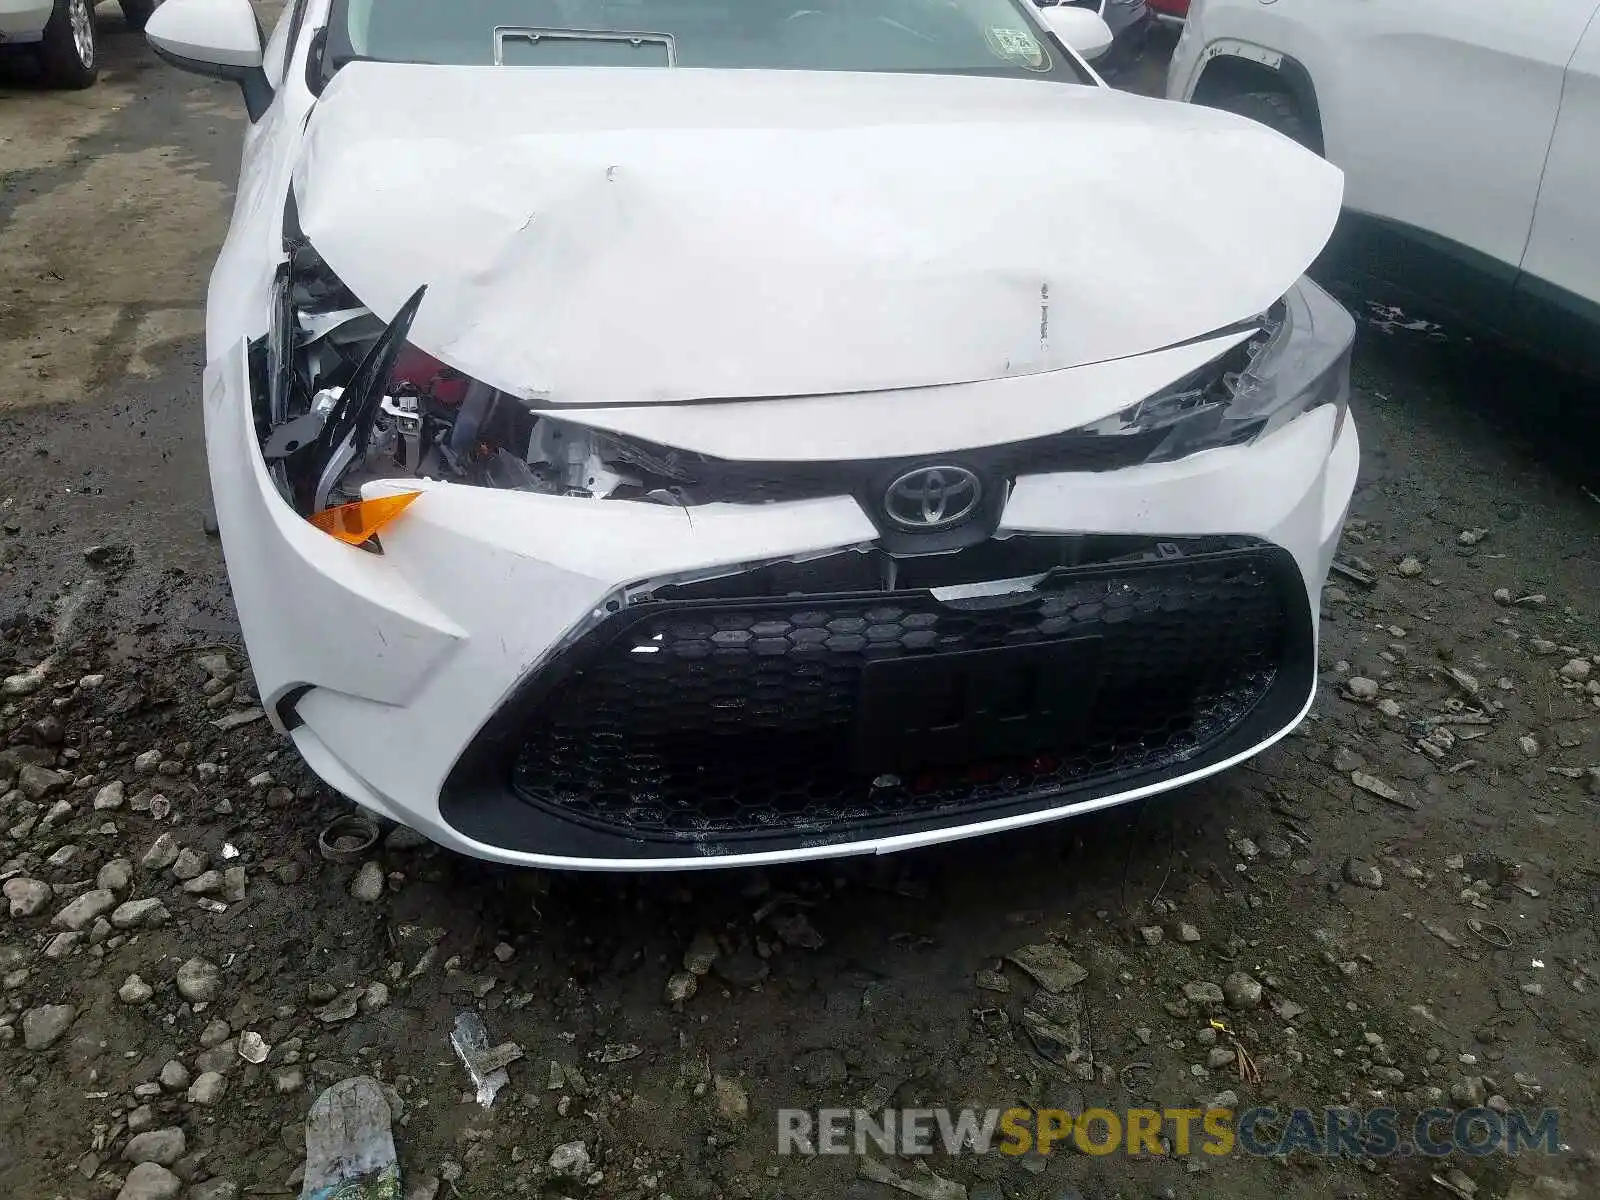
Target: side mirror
[[1083, 30], [215, 38]]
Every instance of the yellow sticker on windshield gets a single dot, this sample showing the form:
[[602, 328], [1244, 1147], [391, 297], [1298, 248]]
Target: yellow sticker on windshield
[[1018, 46]]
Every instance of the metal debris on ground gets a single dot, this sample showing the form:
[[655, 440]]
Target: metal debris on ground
[[485, 1065]]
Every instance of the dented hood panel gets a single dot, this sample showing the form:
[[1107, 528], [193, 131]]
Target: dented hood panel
[[603, 237]]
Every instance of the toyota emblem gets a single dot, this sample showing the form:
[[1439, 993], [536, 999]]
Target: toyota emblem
[[932, 497]]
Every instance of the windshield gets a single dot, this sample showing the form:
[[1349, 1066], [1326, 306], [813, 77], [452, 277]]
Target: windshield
[[989, 37]]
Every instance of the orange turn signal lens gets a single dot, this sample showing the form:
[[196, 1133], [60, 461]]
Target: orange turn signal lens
[[355, 523]]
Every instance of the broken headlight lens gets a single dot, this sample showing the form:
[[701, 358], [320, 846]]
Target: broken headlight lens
[[1298, 361]]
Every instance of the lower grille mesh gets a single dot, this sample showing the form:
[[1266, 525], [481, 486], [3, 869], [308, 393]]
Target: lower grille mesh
[[693, 720]]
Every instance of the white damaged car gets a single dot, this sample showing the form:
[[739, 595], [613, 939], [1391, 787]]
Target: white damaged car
[[674, 433]]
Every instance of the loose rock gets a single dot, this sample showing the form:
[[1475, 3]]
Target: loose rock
[[135, 991], [1577, 670], [1206, 995], [37, 782], [42, 1027], [27, 683], [62, 945], [1050, 966], [164, 1146], [28, 897], [150, 1181], [188, 864], [207, 883], [1346, 760], [115, 876], [198, 981], [1359, 687], [702, 952], [134, 913], [342, 1008], [570, 1160], [1241, 991], [733, 1105], [681, 986], [1363, 874], [162, 854], [207, 1089], [368, 883], [79, 913]]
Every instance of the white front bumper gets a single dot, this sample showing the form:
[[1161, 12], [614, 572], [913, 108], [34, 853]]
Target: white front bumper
[[394, 662]]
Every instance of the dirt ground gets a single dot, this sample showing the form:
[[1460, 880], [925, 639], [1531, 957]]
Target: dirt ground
[[1412, 878]]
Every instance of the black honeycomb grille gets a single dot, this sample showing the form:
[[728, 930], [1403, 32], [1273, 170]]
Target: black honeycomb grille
[[716, 718]]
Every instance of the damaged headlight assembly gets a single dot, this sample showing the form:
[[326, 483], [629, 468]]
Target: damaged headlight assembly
[[345, 399], [1297, 361]]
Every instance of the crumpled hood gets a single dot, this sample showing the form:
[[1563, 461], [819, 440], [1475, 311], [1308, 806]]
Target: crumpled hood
[[604, 237]]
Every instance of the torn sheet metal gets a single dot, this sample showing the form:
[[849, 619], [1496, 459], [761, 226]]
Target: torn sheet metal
[[652, 236]]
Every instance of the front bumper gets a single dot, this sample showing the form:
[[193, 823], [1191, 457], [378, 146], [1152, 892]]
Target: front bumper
[[413, 681]]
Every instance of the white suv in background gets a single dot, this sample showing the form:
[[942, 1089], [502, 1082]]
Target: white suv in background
[[1469, 134]]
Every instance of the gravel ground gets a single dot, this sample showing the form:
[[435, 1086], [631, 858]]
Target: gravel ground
[[1398, 904]]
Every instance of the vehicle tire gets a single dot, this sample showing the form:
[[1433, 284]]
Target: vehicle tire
[[137, 12], [1276, 110], [67, 54]]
